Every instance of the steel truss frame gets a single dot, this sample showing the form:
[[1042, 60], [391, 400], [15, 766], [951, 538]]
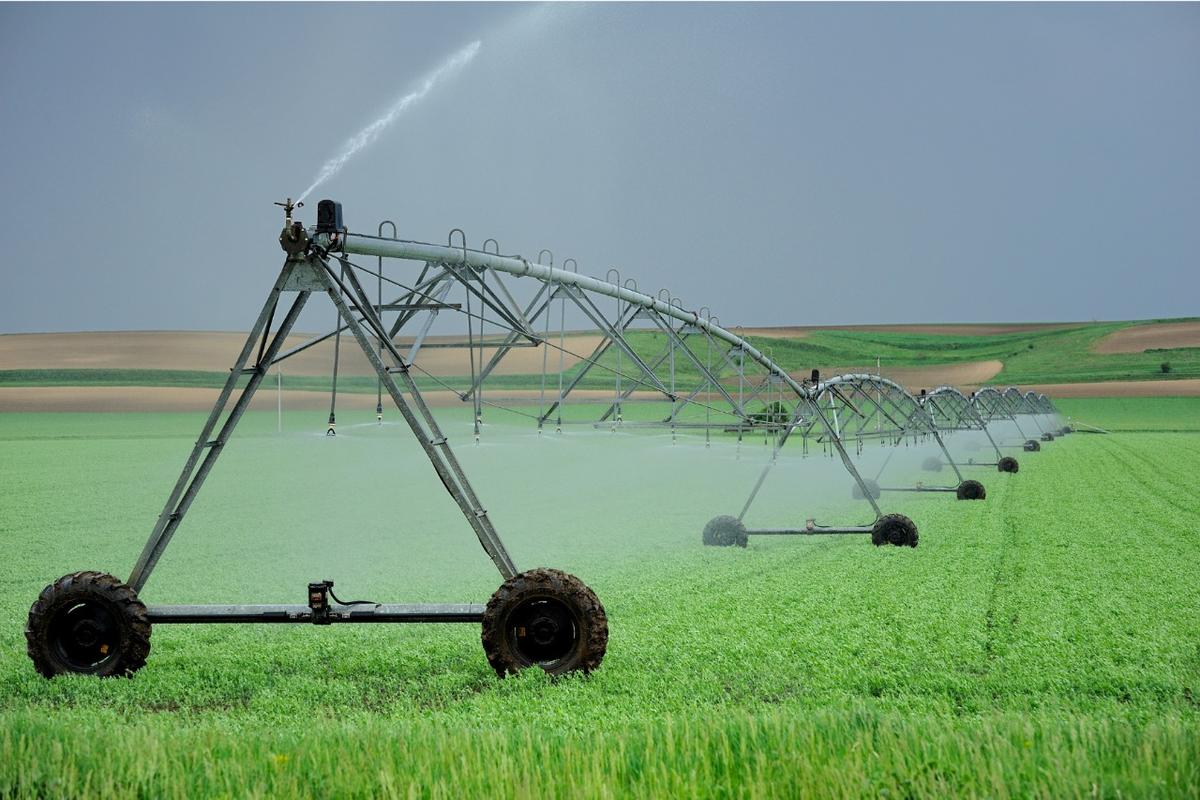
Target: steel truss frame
[[1042, 405], [996, 405], [301, 276], [951, 410], [1030, 404], [690, 338], [1019, 406], [858, 407], [1008, 404]]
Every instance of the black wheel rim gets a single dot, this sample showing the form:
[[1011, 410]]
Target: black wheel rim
[[895, 534], [85, 636], [543, 631]]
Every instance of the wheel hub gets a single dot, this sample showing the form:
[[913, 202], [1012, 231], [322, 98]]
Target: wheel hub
[[85, 635], [542, 630]]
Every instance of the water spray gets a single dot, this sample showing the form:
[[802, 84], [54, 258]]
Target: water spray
[[373, 131]]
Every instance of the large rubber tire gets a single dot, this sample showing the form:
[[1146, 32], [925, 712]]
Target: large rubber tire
[[1032, 446], [894, 529], [725, 531], [932, 464], [971, 490], [1008, 464], [544, 618], [88, 623], [1047, 437], [872, 488]]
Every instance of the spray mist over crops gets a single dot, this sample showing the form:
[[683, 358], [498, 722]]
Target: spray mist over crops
[[365, 509], [373, 131]]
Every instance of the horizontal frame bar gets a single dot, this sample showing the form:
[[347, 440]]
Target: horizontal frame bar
[[816, 530], [375, 612], [920, 489]]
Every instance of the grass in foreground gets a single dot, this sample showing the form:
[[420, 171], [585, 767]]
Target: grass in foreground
[[1039, 643]]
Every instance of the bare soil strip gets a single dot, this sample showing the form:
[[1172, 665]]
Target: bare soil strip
[[948, 329], [215, 351], [971, 373], [1155, 336]]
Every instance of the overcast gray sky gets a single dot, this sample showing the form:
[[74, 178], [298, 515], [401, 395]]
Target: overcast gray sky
[[784, 164]]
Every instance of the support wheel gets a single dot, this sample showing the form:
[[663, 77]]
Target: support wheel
[[872, 489], [545, 618], [725, 531], [932, 464], [89, 623], [894, 529], [1032, 446], [1047, 437], [1007, 464], [971, 490]]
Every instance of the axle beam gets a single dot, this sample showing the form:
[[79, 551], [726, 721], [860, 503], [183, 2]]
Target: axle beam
[[381, 612]]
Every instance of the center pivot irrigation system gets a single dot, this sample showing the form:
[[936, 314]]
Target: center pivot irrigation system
[[705, 377]]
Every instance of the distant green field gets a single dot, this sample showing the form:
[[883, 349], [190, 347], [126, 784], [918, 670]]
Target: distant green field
[[1041, 643], [1049, 356], [1135, 413], [1040, 356]]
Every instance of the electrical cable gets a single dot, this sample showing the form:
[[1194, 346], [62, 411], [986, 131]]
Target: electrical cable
[[339, 601]]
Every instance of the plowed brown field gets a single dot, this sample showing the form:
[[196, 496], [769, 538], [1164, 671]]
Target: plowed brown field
[[1161, 335]]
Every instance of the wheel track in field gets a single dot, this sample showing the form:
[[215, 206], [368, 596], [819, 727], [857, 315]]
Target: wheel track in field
[[1130, 447], [1161, 529], [1154, 486], [1008, 565], [1136, 500], [1019, 564], [1000, 578]]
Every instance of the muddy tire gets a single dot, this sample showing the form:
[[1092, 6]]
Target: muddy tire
[[932, 464], [894, 529], [873, 490], [88, 623], [544, 618], [1007, 464], [1032, 446], [970, 490], [1047, 437], [725, 531]]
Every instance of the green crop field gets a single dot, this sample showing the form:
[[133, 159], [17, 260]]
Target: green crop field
[[1042, 642]]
